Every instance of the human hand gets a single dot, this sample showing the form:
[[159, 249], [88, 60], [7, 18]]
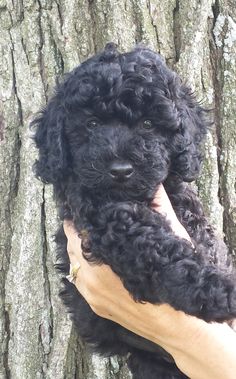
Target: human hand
[[188, 339], [93, 277], [95, 281]]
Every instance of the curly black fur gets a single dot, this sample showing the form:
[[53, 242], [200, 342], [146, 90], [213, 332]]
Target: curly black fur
[[117, 127]]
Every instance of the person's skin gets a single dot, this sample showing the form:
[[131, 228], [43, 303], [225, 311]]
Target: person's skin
[[200, 350]]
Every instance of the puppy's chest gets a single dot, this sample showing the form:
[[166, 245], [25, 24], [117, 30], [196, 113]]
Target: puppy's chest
[[116, 225]]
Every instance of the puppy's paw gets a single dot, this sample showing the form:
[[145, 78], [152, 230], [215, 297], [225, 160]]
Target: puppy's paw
[[220, 304]]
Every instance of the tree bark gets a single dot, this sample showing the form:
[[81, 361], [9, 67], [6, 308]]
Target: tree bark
[[39, 41]]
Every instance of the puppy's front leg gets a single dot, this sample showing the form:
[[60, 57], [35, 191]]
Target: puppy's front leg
[[157, 266]]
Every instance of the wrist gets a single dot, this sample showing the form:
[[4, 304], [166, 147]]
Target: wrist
[[175, 329], [200, 350]]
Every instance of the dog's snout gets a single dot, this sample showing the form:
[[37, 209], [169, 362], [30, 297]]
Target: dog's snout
[[121, 171]]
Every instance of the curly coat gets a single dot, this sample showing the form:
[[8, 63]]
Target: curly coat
[[117, 127]]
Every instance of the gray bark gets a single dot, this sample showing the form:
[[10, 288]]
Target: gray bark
[[39, 41]]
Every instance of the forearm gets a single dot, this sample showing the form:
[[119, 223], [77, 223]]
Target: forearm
[[200, 350], [211, 356]]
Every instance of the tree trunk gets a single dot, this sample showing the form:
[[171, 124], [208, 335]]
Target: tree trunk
[[40, 40]]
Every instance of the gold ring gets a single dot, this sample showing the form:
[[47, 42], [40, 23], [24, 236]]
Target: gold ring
[[73, 272]]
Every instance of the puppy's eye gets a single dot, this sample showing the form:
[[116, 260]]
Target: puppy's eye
[[92, 124], [147, 124]]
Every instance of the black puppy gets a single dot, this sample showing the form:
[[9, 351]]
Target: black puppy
[[117, 127]]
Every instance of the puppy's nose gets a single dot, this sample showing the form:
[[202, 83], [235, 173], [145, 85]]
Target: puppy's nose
[[121, 171]]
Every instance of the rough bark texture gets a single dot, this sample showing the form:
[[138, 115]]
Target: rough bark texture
[[39, 40]]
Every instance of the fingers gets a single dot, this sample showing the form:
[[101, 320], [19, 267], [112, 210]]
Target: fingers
[[79, 273], [161, 203], [73, 243], [160, 195], [69, 229]]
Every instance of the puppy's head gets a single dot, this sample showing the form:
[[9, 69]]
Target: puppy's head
[[119, 125]]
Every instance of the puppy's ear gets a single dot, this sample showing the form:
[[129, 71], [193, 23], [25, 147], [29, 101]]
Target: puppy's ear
[[192, 125], [50, 140]]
